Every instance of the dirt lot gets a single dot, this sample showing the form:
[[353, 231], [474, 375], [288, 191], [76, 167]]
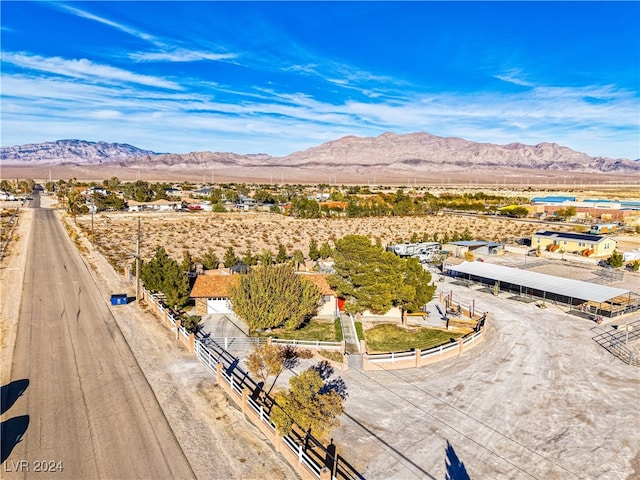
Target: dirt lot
[[197, 232]]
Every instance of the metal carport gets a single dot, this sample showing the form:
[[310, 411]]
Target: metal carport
[[587, 297]]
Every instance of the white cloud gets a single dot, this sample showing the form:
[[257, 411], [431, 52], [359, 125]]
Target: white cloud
[[180, 55], [278, 123], [85, 69], [105, 21], [514, 76]]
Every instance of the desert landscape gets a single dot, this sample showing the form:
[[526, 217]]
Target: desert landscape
[[115, 234]]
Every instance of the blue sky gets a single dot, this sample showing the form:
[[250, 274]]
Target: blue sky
[[277, 77]]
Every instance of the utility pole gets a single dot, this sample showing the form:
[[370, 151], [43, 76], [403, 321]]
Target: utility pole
[[138, 263]]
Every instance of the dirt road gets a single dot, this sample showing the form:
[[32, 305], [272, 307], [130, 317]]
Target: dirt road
[[217, 440]]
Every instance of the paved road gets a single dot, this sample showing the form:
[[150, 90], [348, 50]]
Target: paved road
[[86, 406]]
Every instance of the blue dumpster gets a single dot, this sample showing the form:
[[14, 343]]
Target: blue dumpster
[[119, 299]]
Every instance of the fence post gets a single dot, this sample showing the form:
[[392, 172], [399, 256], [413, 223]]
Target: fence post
[[192, 341], [325, 474], [177, 329], [245, 396], [218, 373]]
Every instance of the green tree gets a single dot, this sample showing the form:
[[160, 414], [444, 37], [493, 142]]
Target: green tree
[[210, 260], [370, 278], [218, 207], [466, 234], [303, 207], [191, 323], [249, 259], [314, 253], [175, 286], [230, 258], [365, 275], [163, 274], [565, 213], [187, 261], [113, 184], [266, 257], [282, 256], [298, 259], [416, 287], [309, 404], [616, 260], [274, 296], [74, 202], [263, 196], [325, 250]]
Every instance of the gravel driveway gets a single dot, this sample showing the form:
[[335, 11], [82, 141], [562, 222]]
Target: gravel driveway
[[538, 399]]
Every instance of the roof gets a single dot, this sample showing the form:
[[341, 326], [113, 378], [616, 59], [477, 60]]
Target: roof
[[219, 285], [585, 237], [469, 243], [320, 281], [209, 286], [540, 281], [239, 268], [552, 199]]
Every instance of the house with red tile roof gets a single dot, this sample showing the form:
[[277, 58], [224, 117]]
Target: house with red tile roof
[[212, 293]]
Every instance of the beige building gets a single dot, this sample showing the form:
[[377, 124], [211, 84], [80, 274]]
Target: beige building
[[571, 242]]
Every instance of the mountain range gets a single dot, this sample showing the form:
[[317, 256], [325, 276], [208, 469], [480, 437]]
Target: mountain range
[[410, 153]]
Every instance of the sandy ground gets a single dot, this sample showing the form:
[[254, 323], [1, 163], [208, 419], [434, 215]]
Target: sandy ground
[[11, 279], [347, 175], [197, 232], [214, 435]]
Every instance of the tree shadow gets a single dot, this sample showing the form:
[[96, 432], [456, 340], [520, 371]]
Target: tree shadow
[[335, 385], [455, 468], [324, 369], [10, 393], [11, 433]]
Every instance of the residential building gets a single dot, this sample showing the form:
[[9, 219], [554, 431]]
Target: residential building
[[570, 242]]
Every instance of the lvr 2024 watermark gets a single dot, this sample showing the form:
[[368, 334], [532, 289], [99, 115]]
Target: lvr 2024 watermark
[[35, 466]]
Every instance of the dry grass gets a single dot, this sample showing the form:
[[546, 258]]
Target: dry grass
[[115, 234]]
